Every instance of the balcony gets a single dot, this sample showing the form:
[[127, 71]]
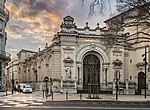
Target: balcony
[[5, 56], [4, 13]]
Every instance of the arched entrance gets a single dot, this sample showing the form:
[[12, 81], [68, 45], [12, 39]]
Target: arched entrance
[[91, 72], [141, 82]]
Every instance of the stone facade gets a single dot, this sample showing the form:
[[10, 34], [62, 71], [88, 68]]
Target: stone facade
[[12, 72], [4, 56], [66, 62]]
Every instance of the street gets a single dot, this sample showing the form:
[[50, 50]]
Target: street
[[36, 101]]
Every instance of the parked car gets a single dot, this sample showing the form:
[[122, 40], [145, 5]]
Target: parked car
[[20, 87], [27, 89]]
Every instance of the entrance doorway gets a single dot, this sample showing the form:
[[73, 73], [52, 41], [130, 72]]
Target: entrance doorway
[[141, 82], [91, 73]]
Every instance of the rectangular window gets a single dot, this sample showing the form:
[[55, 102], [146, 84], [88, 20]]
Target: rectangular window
[[130, 77], [130, 60]]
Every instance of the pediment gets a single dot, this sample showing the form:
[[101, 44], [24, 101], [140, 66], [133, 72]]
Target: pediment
[[68, 18]]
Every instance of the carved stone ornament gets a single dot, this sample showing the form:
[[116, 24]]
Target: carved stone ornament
[[68, 60], [117, 62], [92, 46]]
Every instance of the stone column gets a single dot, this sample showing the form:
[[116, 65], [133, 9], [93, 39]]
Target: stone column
[[80, 77], [127, 87], [61, 85], [103, 75]]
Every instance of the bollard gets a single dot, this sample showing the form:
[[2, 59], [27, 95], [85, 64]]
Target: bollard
[[6, 92], [43, 93], [52, 95], [80, 96], [46, 94], [66, 95]]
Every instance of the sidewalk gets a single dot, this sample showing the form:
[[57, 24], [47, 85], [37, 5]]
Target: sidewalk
[[62, 97], [2, 94], [103, 97]]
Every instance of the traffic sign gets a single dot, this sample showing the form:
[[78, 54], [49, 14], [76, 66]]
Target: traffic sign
[[46, 79]]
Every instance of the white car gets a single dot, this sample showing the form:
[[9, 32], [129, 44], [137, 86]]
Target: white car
[[27, 89]]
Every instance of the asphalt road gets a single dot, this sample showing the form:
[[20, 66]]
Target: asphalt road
[[85, 105], [73, 109]]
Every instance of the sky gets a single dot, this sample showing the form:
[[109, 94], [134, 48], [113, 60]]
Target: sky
[[33, 23]]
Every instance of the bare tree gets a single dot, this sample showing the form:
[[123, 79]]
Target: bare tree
[[100, 4], [134, 14]]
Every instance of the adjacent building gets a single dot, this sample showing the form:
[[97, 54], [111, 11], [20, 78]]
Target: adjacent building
[[12, 73], [4, 56], [13, 70]]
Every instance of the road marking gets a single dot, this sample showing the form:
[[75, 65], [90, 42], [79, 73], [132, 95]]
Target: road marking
[[13, 103], [95, 108], [8, 101], [41, 101], [21, 105], [6, 106], [36, 103], [1, 104]]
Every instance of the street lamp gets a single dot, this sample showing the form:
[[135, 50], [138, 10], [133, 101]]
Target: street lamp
[[117, 75], [12, 83], [145, 64], [117, 66]]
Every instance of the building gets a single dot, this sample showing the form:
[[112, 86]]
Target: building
[[78, 60], [22, 56], [4, 56], [12, 73], [13, 68]]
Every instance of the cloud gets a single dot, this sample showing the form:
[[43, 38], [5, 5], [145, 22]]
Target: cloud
[[14, 31], [34, 22]]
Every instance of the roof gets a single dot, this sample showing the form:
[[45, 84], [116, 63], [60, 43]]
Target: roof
[[127, 11], [23, 50], [114, 17]]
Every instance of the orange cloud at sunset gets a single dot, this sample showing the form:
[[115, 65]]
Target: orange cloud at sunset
[[49, 27], [51, 16], [13, 10], [35, 27], [29, 19]]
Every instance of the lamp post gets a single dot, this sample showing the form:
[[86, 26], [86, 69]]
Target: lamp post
[[117, 81], [117, 66], [51, 84], [145, 65], [12, 83], [145, 70]]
